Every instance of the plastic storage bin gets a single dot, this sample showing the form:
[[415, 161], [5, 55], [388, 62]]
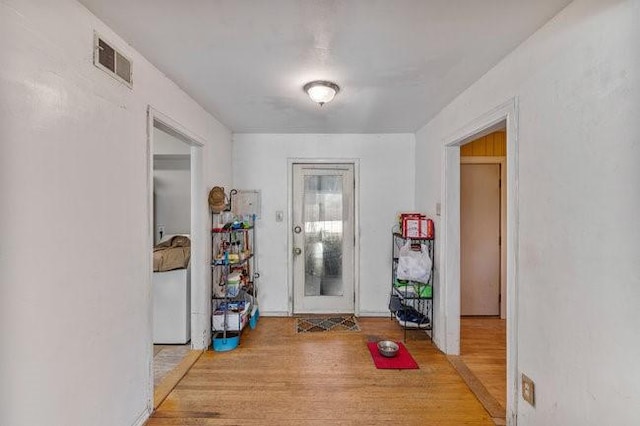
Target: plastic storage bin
[[222, 343]]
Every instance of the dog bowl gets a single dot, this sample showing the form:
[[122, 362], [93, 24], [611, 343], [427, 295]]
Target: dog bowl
[[388, 348]]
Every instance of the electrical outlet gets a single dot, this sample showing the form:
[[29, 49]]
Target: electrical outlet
[[528, 390]]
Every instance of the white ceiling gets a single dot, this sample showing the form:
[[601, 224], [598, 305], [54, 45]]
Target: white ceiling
[[398, 62]]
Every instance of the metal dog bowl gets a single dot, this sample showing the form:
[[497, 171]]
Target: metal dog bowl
[[388, 348]]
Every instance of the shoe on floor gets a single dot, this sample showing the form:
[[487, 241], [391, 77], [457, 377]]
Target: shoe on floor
[[410, 318]]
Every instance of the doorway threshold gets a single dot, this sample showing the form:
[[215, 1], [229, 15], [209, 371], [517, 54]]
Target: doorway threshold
[[491, 405], [170, 380]]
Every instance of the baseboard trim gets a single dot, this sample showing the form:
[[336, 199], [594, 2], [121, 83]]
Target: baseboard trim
[[274, 314], [142, 418], [375, 314], [361, 314]]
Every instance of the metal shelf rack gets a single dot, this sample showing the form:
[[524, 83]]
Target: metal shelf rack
[[406, 296]]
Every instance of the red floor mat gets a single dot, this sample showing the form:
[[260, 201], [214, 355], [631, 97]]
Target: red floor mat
[[402, 361]]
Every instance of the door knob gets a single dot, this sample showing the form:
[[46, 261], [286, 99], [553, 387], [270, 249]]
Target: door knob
[[297, 230], [297, 251]]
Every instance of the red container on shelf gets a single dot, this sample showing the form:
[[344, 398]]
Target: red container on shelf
[[416, 225]]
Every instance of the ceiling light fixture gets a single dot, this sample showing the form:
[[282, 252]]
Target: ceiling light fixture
[[321, 91]]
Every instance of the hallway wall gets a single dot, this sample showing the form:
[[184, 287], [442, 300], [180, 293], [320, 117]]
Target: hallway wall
[[577, 81], [74, 260], [386, 188]]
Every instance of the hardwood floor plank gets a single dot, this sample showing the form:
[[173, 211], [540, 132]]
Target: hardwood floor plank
[[483, 348], [276, 376]]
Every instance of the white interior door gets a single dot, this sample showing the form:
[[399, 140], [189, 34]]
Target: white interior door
[[480, 239], [323, 238]]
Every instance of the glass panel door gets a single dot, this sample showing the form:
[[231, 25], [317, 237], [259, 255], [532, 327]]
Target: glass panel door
[[323, 238]]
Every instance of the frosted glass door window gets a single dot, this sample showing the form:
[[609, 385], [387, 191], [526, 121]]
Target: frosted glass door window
[[323, 239], [323, 235]]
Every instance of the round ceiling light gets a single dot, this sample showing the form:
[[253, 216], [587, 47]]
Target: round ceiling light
[[321, 91]]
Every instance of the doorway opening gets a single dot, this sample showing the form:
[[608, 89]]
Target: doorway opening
[[176, 276], [323, 238], [483, 269], [501, 117], [171, 281]]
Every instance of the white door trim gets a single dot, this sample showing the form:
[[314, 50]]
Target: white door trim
[[200, 308], [356, 208], [503, 222], [449, 304]]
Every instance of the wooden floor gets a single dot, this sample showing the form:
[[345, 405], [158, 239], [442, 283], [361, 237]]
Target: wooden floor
[[169, 370], [278, 377], [483, 348]]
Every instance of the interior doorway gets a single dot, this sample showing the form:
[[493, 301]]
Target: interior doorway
[[482, 361], [171, 278], [171, 281], [504, 116], [176, 223], [483, 228], [323, 236]]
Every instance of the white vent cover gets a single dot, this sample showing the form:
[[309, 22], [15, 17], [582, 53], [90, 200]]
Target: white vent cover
[[110, 60]]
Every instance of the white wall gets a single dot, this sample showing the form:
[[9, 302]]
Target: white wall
[[171, 184], [74, 257], [577, 81], [386, 187]]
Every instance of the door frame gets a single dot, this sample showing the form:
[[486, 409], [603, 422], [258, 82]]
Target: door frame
[[355, 162], [503, 222], [199, 264], [448, 338]]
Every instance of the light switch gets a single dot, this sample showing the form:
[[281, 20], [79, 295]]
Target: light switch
[[279, 216], [438, 209]]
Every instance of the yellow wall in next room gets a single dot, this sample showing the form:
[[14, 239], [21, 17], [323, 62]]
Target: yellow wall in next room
[[492, 145]]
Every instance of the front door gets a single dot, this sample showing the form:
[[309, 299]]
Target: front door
[[323, 238], [480, 239]]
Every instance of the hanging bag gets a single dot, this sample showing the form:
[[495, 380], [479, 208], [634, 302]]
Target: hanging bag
[[414, 265]]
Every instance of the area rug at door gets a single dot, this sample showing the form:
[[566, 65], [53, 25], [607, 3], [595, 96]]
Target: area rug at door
[[402, 361], [333, 323]]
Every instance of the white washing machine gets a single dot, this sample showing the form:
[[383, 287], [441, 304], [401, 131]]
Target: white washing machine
[[172, 306]]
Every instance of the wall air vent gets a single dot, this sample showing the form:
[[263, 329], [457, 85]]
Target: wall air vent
[[110, 60]]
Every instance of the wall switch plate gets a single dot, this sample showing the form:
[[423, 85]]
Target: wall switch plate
[[438, 209], [528, 390], [279, 216]]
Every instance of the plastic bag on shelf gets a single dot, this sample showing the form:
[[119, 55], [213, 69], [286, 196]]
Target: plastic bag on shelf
[[414, 265]]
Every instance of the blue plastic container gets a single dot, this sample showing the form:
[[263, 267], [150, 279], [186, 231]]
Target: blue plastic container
[[223, 344], [253, 321]]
